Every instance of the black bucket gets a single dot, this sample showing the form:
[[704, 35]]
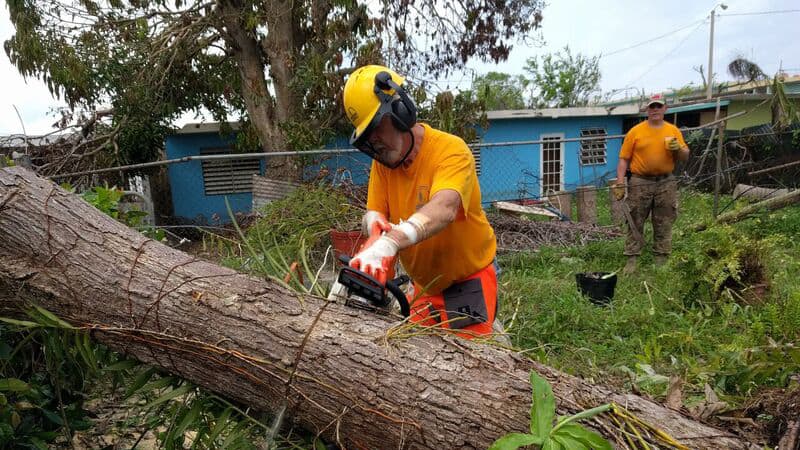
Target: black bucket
[[598, 286]]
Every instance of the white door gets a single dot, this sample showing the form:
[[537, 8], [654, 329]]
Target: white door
[[552, 163]]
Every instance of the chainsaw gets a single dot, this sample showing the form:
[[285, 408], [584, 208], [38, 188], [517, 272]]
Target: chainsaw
[[362, 291]]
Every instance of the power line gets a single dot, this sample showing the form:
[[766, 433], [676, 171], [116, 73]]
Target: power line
[[761, 13], [651, 40], [667, 55]]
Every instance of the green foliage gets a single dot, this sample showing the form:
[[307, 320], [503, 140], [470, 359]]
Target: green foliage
[[563, 434], [744, 370], [107, 200], [563, 79], [656, 327], [499, 91], [153, 62], [50, 366], [784, 110], [295, 228], [721, 261], [47, 365], [460, 115]]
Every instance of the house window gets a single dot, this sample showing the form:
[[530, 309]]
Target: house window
[[228, 176], [593, 151], [476, 154]]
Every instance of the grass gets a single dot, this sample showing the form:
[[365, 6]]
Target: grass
[[666, 320]]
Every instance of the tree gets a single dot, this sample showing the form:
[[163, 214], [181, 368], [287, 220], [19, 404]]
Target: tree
[[460, 114], [561, 80], [278, 64], [745, 71], [500, 90], [784, 111], [364, 380]]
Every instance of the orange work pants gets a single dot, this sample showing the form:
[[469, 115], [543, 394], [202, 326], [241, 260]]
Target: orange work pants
[[430, 310]]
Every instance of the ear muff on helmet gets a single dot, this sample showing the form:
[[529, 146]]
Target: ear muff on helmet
[[404, 111]]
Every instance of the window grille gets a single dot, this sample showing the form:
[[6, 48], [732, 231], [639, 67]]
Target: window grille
[[476, 154], [228, 176], [593, 151]]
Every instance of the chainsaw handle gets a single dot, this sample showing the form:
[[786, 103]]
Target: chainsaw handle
[[392, 286]]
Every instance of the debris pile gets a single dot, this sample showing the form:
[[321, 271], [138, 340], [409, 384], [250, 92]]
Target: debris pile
[[520, 234]]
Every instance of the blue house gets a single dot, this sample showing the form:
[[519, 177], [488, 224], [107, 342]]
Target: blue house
[[200, 188], [523, 154], [527, 154]]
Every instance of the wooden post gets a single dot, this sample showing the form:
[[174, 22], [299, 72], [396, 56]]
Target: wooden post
[[586, 197], [617, 216], [563, 201], [718, 172]]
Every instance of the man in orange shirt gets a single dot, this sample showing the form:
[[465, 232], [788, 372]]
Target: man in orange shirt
[[649, 151], [425, 181]]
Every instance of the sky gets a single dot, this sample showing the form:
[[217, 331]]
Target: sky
[[679, 31]]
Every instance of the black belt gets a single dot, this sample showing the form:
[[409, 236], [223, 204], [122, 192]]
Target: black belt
[[653, 177]]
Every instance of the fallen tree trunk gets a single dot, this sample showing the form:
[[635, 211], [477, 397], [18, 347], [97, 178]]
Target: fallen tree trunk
[[342, 374], [771, 204], [756, 193]]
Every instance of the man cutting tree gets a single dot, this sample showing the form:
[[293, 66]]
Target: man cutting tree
[[424, 181]]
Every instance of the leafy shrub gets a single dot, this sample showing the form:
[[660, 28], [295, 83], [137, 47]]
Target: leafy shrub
[[293, 228], [549, 432], [722, 261], [45, 366]]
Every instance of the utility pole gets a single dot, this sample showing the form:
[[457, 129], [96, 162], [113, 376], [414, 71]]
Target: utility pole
[[710, 83], [718, 172]]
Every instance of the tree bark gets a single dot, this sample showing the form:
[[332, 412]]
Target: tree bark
[[756, 193], [244, 47], [344, 373], [266, 113]]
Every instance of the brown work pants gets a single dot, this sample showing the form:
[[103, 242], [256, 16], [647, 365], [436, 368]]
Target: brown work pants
[[656, 198]]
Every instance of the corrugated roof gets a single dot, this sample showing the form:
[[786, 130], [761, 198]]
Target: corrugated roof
[[696, 106], [205, 127], [791, 86], [554, 113], [20, 140]]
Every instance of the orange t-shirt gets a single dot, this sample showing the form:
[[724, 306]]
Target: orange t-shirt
[[646, 148], [462, 248]]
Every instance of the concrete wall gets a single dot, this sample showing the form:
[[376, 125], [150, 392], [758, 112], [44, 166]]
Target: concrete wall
[[758, 116]]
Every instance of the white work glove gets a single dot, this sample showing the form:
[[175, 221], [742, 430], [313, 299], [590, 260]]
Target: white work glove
[[374, 223], [377, 259]]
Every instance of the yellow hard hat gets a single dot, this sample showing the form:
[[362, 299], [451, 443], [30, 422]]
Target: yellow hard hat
[[363, 99]]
